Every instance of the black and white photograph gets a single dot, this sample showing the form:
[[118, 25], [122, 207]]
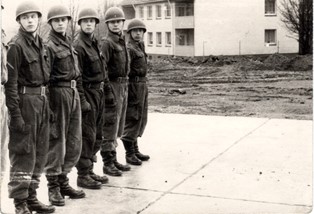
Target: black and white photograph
[[156, 107]]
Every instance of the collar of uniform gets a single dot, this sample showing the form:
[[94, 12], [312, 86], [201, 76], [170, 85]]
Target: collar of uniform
[[57, 38], [115, 37], [138, 44], [88, 40], [28, 36]]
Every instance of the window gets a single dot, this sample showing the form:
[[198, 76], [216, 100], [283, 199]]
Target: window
[[270, 7], [149, 12], [158, 12], [184, 10], [270, 37], [168, 38], [141, 12], [150, 38], [167, 11], [158, 37]]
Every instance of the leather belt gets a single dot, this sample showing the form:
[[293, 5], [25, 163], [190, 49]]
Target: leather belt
[[39, 90], [119, 79], [68, 84], [137, 79], [99, 85]]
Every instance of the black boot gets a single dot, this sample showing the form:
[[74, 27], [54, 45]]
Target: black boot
[[109, 168], [87, 182], [130, 153], [35, 205], [67, 190], [21, 206], [138, 154], [54, 194], [102, 179], [118, 165]]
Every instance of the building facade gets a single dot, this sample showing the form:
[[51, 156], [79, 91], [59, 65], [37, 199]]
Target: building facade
[[207, 27]]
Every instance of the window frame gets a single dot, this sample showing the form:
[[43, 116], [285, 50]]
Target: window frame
[[268, 4], [168, 8], [158, 11], [149, 12], [270, 43], [158, 37], [150, 39], [167, 38], [141, 12]]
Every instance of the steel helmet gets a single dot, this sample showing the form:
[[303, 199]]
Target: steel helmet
[[88, 13], [136, 24], [114, 13], [57, 12], [27, 7]]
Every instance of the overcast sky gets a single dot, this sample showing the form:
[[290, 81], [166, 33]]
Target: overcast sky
[[8, 14]]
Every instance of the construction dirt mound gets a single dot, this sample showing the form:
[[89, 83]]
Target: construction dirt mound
[[276, 62]]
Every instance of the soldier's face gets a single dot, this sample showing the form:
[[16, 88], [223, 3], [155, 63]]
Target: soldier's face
[[60, 24], [116, 26], [29, 21], [88, 25], [137, 34]]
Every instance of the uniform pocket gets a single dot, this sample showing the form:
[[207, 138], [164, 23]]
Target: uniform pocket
[[20, 141], [132, 112]]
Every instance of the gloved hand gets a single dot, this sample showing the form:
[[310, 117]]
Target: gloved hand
[[52, 117], [86, 107], [109, 98], [18, 124]]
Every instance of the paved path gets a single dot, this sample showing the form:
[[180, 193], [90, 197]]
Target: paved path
[[207, 164]]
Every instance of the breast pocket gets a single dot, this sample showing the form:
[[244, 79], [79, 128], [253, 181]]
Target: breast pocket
[[64, 60], [32, 67], [95, 64]]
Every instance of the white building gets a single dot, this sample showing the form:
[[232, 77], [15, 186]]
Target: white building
[[208, 27]]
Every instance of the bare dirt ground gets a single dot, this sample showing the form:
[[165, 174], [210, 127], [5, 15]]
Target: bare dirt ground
[[274, 86]]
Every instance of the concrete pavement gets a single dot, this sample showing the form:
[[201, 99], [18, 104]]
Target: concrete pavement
[[206, 164]]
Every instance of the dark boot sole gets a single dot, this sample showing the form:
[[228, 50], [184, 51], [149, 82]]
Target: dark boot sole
[[60, 204], [134, 163], [75, 197], [89, 187]]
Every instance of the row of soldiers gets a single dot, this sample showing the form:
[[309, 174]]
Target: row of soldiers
[[68, 101]]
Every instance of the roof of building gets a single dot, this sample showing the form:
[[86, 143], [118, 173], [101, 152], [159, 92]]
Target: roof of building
[[134, 2]]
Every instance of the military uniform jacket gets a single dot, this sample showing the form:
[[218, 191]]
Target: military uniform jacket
[[64, 61], [116, 56], [28, 65], [90, 60], [138, 65]]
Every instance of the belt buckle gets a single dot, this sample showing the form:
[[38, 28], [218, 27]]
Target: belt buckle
[[23, 90], [73, 84], [102, 84], [43, 91]]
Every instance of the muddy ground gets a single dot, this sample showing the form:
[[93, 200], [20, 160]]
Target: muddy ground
[[274, 86]]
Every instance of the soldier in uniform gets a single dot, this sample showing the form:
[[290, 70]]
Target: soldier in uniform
[[136, 114], [117, 61], [66, 134], [94, 75], [26, 99]]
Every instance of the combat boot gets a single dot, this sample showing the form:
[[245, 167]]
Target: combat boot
[[130, 153], [102, 179], [109, 168], [67, 190], [54, 194], [138, 154], [35, 205], [118, 165], [21, 206], [87, 182]]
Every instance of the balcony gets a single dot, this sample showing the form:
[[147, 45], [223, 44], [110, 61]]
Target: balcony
[[184, 22]]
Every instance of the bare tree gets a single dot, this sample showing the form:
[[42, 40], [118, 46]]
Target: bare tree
[[73, 29], [297, 15]]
